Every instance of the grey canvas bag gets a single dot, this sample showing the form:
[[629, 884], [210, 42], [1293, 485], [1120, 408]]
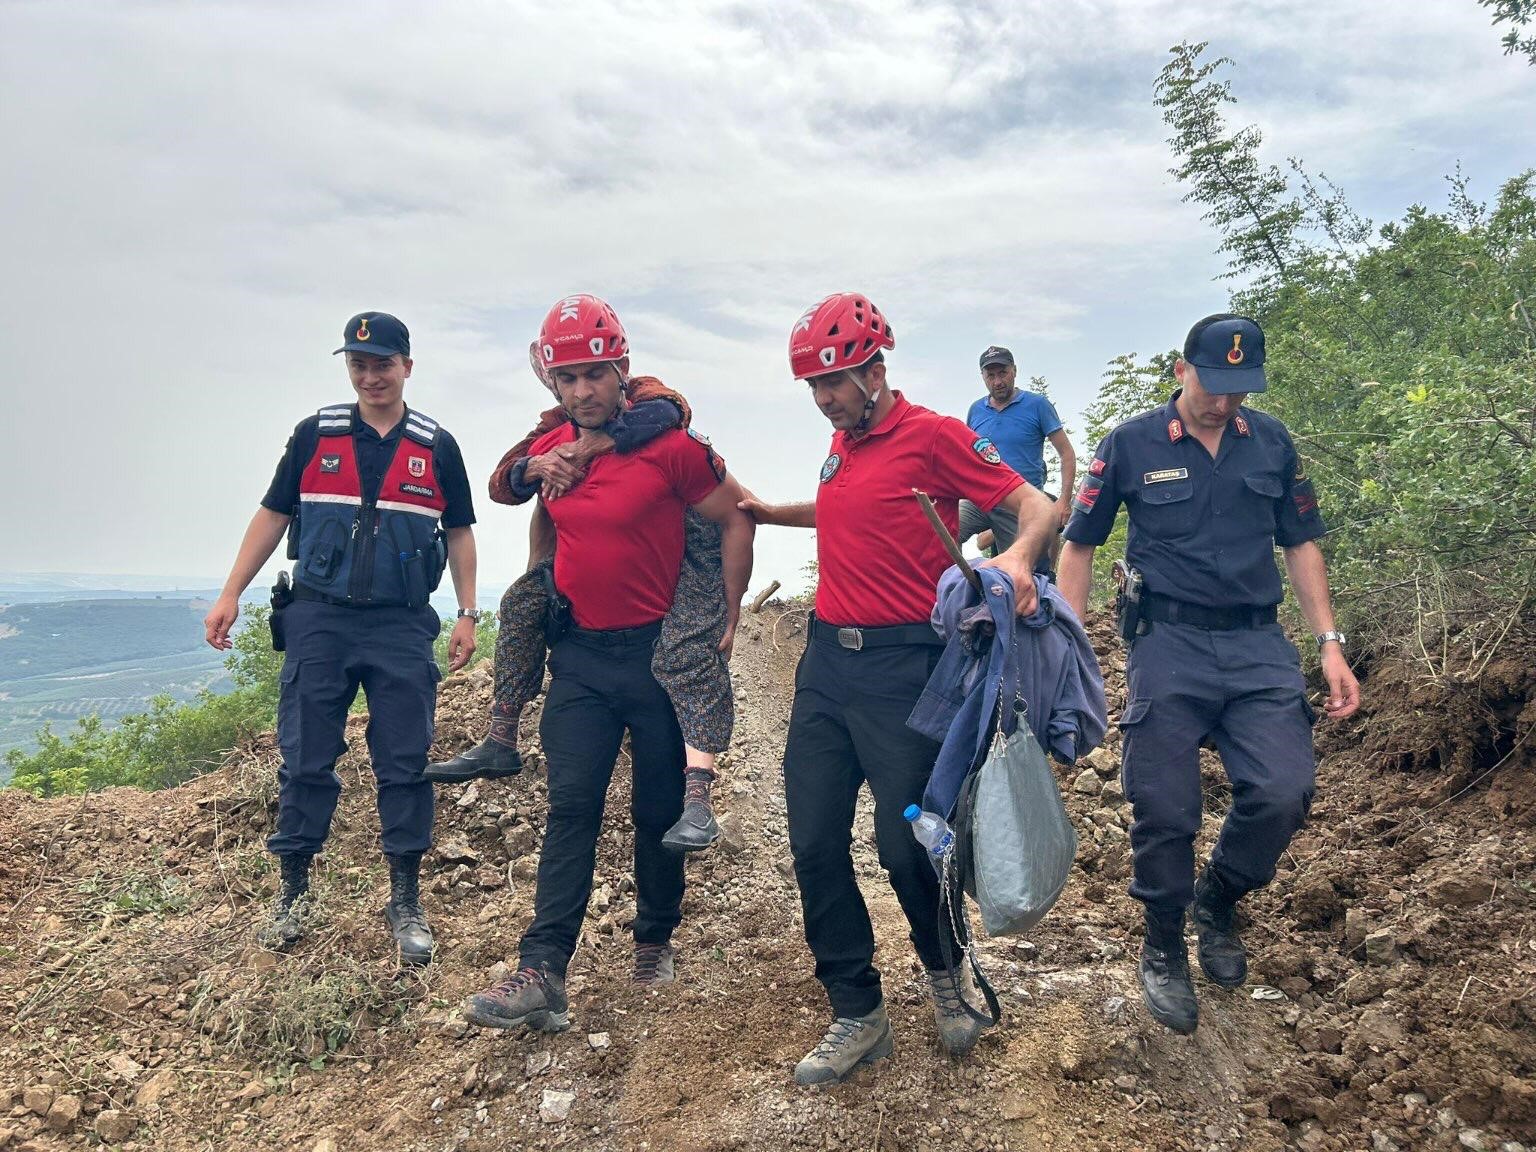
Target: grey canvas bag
[[1021, 841]]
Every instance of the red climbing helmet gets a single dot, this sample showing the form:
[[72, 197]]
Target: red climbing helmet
[[581, 329], [843, 331]]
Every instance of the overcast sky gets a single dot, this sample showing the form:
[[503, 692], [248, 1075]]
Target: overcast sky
[[198, 195]]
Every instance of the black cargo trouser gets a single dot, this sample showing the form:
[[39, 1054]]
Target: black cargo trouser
[[848, 726], [601, 684]]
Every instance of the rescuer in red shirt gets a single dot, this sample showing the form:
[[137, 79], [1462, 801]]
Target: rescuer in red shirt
[[617, 561], [870, 651]]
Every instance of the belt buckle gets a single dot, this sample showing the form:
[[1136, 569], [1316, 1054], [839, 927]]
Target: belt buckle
[[851, 638]]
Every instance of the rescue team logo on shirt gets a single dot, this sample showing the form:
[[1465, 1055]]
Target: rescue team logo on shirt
[[987, 451], [330, 463], [1164, 475], [1096, 468], [417, 466], [830, 467], [419, 490]]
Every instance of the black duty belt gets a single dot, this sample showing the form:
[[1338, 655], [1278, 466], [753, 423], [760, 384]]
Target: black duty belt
[[616, 637], [859, 638], [304, 592], [1166, 610]]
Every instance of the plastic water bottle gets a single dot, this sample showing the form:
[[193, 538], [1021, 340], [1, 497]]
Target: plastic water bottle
[[931, 831]]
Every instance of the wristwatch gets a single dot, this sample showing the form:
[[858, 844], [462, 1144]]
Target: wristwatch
[[463, 612], [1324, 637]]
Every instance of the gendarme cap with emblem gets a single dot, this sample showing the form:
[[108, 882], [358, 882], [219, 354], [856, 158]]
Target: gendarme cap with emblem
[[376, 333], [1228, 352], [996, 355]]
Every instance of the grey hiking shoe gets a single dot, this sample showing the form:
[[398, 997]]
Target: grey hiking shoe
[[653, 965], [959, 1027], [404, 913], [849, 1042], [488, 760], [531, 996], [286, 923], [696, 829]]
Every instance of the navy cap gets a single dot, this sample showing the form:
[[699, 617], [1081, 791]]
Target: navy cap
[[996, 355], [1228, 352], [376, 333]]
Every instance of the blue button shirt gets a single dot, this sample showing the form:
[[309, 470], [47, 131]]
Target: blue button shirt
[[1201, 529], [1018, 431]]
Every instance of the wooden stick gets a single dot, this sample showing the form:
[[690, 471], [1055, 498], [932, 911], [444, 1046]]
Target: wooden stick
[[764, 596], [949, 541]]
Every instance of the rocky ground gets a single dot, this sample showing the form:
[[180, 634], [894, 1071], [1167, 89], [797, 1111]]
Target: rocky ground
[[1393, 1002]]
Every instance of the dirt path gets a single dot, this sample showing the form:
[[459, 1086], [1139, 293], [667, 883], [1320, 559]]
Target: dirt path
[[1400, 939]]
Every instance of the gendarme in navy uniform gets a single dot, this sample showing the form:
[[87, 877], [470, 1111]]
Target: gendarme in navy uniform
[[1211, 488], [375, 502]]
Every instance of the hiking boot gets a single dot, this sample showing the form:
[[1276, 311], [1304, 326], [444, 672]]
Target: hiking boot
[[404, 913], [289, 911], [849, 1042], [695, 829], [1165, 984], [487, 760], [653, 965], [959, 1026], [531, 996], [1222, 956]]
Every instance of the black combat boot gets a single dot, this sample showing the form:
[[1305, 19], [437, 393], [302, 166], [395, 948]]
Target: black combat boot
[[490, 759], [696, 828], [286, 923], [1222, 956], [403, 912], [1164, 972]]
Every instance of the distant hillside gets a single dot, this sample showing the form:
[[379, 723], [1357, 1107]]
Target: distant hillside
[[64, 660]]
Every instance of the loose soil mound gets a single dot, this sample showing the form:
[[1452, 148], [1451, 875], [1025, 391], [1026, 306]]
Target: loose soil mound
[[1396, 952]]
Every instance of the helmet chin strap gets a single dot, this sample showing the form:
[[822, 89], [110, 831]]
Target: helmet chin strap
[[870, 400]]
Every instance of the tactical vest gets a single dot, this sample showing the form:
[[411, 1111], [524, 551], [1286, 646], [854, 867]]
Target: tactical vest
[[384, 551]]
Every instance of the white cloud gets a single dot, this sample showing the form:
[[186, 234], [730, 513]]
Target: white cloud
[[200, 194]]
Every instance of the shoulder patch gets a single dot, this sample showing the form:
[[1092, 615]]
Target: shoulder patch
[[830, 466], [335, 419], [1175, 431], [1097, 467], [699, 436], [420, 427], [987, 450], [1241, 425], [1305, 498], [1087, 493]]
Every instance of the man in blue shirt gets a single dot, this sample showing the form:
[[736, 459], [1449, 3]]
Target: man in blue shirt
[[1211, 488], [1018, 424]]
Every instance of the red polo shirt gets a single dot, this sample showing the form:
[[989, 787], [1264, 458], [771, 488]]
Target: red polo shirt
[[879, 559], [620, 531]]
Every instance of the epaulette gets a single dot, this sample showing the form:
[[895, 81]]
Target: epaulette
[[336, 420], [420, 427]]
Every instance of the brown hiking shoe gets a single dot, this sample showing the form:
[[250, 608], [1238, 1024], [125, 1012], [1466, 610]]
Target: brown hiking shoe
[[959, 1025], [653, 965], [530, 996]]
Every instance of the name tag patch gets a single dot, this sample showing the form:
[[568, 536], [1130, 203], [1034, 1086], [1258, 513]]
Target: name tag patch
[[1163, 475]]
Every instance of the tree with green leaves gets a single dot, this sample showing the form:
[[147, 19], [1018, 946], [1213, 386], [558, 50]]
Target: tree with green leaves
[[1517, 14]]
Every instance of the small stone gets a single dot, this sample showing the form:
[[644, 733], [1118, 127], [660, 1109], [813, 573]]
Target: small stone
[[156, 1089], [538, 1063], [114, 1126], [598, 1041], [1472, 1138], [499, 972], [325, 1144], [555, 1105], [733, 840], [1114, 1009], [456, 850], [471, 1079], [115, 1001], [124, 1066], [39, 1098], [1102, 761], [470, 798], [64, 1113], [1381, 947], [255, 1090], [1087, 783], [1112, 793], [455, 1027]]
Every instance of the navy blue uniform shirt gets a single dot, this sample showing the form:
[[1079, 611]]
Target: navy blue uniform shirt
[[1201, 530], [374, 453]]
